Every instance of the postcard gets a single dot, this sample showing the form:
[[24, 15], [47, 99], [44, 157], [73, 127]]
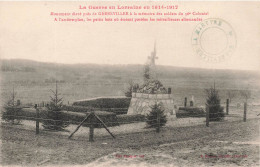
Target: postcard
[[130, 83]]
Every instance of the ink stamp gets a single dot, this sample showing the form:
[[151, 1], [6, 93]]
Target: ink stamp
[[213, 40]]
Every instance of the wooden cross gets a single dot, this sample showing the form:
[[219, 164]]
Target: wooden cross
[[153, 56]]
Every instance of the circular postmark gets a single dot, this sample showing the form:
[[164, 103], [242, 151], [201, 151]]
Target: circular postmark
[[213, 40]]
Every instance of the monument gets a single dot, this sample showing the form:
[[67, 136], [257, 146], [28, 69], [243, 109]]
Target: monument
[[151, 92]]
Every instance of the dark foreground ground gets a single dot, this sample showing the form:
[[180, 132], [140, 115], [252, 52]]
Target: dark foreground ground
[[221, 144]]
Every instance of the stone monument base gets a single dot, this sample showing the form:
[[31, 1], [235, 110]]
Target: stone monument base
[[141, 103]]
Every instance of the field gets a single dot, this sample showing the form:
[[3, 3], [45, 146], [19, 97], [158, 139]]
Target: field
[[191, 145]]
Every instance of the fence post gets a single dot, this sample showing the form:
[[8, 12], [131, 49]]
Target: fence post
[[169, 92], [185, 101], [207, 115], [227, 106], [37, 119], [91, 129], [245, 109]]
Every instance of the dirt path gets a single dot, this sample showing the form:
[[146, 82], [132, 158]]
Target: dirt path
[[23, 147]]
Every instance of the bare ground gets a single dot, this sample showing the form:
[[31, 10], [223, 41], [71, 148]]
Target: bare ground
[[225, 143]]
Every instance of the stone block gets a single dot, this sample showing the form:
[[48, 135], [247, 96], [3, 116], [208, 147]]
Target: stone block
[[133, 94], [159, 96], [146, 96], [152, 96], [138, 95]]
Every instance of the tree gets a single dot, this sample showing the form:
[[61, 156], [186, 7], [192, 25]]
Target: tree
[[54, 118], [133, 87], [231, 95], [11, 109], [216, 111], [156, 116]]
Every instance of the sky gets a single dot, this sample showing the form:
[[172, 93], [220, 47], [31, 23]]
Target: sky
[[28, 32]]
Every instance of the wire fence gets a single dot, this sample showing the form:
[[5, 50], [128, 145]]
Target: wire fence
[[212, 113], [71, 122]]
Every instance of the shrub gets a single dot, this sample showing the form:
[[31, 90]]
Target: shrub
[[110, 119], [156, 116], [78, 108], [105, 102], [117, 111], [83, 109], [190, 112], [54, 120], [133, 87], [11, 114], [216, 112], [127, 119]]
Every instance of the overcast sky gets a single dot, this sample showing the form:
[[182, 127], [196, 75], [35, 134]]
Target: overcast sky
[[28, 32]]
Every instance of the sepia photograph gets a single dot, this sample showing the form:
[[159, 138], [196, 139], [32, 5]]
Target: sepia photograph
[[130, 83]]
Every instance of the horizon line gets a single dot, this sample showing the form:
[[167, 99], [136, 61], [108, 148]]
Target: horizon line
[[60, 63]]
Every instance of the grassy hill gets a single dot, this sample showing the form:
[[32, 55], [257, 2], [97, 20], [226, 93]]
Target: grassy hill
[[32, 80]]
